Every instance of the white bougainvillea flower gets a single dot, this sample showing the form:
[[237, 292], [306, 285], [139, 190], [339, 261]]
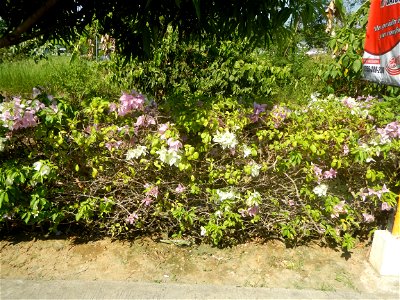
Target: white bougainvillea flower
[[41, 168], [226, 139], [229, 195], [320, 190], [203, 231], [255, 169], [253, 199], [170, 157], [246, 151], [136, 153]]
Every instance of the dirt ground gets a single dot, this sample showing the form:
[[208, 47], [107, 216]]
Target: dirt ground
[[269, 264]]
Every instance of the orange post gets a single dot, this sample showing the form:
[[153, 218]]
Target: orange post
[[396, 225]]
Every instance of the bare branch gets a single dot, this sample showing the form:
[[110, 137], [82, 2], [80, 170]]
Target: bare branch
[[15, 37]]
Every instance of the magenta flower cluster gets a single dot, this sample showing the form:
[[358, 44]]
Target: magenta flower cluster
[[372, 192], [17, 114], [128, 103], [339, 209], [390, 131], [324, 175], [251, 211]]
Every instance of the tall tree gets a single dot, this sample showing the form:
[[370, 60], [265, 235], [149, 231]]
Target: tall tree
[[138, 25]]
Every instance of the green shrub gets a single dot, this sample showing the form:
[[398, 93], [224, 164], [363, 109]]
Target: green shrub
[[327, 170]]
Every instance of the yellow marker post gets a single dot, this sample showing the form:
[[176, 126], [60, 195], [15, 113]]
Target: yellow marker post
[[396, 224]]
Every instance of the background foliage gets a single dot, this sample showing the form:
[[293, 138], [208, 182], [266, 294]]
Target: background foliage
[[213, 140]]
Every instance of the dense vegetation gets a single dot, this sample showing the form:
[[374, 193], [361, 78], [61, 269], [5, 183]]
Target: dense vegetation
[[210, 141]]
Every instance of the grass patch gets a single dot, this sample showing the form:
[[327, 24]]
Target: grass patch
[[21, 76], [77, 80]]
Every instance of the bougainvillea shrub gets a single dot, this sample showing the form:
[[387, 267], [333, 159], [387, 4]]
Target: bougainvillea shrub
[[220, 172]]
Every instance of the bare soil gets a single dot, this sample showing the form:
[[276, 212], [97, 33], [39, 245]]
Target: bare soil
[[254, 264]]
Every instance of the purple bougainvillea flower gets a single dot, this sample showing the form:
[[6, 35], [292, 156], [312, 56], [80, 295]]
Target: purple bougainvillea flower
[[253, 211], [258, 108]]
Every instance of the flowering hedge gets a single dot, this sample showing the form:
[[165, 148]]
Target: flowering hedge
[[220, 173]]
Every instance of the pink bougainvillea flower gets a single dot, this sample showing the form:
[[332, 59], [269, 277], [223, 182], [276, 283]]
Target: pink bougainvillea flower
[[371, 192], [141, 121], [393, 129], [317, 170], [346, 150], [130, 102], [109, 146], [147, 201], [113, 107], [180, 189], [174, 145], [54, 106], [349, 102], [242, 212], [144, 121], [334, 215], [163, 128], [368, 218], [363, 195], [339, 209], [132, 218], [385, 206], [112, 145], [150, 121], [153, 191], [118, 144], [330, 174], [385, 189]]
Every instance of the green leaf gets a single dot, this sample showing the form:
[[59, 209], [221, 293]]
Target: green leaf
[[357, 65]]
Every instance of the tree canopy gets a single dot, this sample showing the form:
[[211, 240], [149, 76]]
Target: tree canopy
[[138, 25]]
